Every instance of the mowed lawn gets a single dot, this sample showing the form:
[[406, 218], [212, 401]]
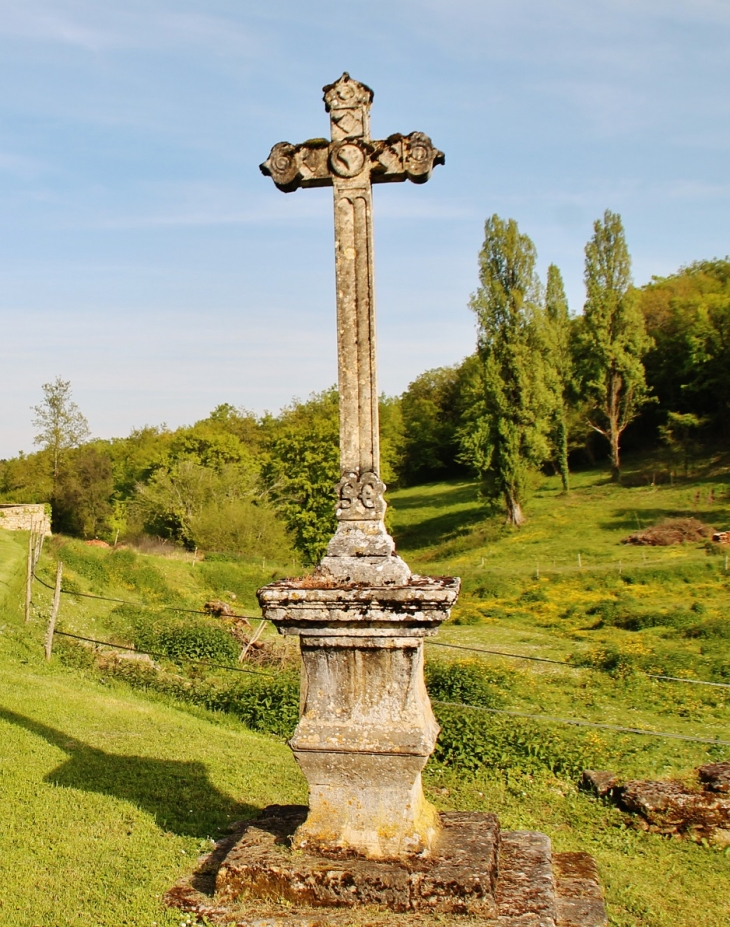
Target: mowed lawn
[[108, 796]]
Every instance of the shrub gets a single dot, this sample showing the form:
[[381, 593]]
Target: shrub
[[263, 703], [609, 659], [130, 570], [467, 681], [470, 739], [86, 562], [709, 628], [187, 639]]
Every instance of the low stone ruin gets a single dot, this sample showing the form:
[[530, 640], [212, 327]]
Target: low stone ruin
[[699, 810], [25, 517]]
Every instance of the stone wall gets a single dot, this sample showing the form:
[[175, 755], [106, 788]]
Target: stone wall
[[23, 517]]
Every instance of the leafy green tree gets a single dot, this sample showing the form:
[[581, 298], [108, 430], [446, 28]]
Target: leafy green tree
[[680, 434], [432, 408], [559, 357], [612, 336], [505, 430], [687, 315], [82, 504], [60, 422], [302, 469]]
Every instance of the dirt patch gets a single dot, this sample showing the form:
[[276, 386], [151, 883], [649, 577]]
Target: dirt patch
[[671, 531]]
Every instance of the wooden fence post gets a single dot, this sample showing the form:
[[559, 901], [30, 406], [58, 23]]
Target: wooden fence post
[[54, 611], [29, 576], [40, 538]]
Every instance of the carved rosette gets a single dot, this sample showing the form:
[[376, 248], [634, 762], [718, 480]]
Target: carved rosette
[[360, 497], [405, 157]]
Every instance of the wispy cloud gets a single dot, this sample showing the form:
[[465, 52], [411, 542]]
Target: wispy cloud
[[102, 26]]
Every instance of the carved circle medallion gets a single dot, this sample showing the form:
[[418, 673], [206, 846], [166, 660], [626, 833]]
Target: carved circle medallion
[[282, 162], [347, 159]]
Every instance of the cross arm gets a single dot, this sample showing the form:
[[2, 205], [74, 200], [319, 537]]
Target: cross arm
[[316, 163]]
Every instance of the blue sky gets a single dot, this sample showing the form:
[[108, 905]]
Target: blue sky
[[144, 258]]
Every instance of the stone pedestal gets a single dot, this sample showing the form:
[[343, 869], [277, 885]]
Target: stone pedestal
[[366, 727], [475, 875]]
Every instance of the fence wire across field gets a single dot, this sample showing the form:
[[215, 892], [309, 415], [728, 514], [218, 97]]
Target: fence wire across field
[[549, 565], [548, 719], [478, 650], [164, 656], [577, 722], [140, 605], [575, 666], [545, 719]]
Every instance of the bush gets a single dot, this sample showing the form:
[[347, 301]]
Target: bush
[[86, 562], [187, 639], [609, 659], [467, 681], [471, 739], [267, 704], [130, 570], [709, 628]]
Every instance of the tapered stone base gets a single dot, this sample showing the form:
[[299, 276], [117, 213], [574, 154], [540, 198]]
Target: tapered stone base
[[374, 803], [366, 727]]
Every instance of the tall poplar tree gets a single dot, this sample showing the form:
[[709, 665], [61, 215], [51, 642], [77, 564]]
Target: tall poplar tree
[[557, 334], [613, 337], [505, 430], [61, 424]]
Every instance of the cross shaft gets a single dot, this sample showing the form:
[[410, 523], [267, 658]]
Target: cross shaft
[[350, 163]]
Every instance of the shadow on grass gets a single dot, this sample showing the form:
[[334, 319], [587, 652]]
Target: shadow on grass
[[430, 532], [178, 794], [448, 494], [433, 532]]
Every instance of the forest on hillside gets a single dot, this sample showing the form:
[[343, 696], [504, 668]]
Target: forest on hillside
[[544, 389]]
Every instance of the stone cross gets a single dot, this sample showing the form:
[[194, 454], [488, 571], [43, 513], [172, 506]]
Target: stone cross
[[351, 163], [366, 727]]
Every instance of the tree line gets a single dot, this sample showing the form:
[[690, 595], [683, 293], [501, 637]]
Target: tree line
[[542, 387]]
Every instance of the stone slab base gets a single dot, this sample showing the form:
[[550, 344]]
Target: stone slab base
[[478, 876]]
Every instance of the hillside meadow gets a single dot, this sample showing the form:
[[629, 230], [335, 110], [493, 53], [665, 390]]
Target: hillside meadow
[[116, 774]]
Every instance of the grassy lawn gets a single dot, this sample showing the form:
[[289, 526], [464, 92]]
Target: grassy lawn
[[109, 796], [113, 793]]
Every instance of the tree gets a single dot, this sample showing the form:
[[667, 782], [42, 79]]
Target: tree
[[431, 408], [687, 315], [82, 503], [505, 431], [61, 423], [302, 469], [557, 334], [613, 337]]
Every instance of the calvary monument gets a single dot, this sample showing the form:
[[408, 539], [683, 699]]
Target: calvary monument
[[368, 838]]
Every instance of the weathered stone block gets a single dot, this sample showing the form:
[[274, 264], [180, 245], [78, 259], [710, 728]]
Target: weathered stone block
[[598, 781], [715, 777], [458, 877]]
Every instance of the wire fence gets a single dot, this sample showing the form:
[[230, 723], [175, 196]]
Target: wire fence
[[578, 722], [548, 719], [165, 656], [432, 643], [575, 666], [542, 718], [550, 565]]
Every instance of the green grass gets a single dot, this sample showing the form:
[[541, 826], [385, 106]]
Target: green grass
[[108, 796], [108, 787]]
